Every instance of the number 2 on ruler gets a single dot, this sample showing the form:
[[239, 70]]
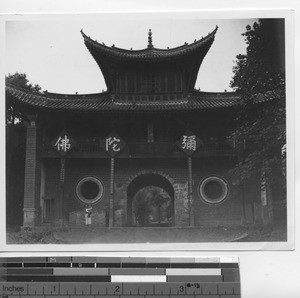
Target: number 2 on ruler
[[117, 289]]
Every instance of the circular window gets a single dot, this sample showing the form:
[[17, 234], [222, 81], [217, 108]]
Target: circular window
[[213, 189], [89, 190]]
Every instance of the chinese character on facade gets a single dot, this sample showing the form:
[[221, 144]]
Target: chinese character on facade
[[63, 143], [113, 144], [189, 143]]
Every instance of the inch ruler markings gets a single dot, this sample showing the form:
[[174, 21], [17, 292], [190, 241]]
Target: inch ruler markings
[[93, 277]]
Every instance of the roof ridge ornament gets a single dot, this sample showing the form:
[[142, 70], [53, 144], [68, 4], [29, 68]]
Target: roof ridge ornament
[[150, 45]]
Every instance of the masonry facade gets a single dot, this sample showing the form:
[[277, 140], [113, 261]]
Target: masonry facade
[[150, 151]]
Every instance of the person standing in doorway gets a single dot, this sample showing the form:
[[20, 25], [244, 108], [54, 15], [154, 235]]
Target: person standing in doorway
[[88, 215]]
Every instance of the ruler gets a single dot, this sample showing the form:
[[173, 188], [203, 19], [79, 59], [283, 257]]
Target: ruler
[[92, 277]]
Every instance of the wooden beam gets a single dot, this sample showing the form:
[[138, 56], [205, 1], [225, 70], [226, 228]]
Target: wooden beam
[[190, 194], [62, 187], [111, 199]]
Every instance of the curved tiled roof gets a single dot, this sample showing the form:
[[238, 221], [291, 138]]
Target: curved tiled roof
[[106, 102], [150, 53]]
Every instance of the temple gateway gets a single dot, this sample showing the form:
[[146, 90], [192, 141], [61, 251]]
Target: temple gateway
[[151, 151]]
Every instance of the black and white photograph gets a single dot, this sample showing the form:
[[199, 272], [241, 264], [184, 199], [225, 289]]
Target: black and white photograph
[[146, 128]]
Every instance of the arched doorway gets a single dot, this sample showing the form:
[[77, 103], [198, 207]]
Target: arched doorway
[[150, 201]]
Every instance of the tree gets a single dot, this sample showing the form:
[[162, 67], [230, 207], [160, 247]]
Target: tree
[[13, 113], [259, 76]]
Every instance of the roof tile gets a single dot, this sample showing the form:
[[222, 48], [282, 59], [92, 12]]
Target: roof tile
[[106, 102], [147, 53]]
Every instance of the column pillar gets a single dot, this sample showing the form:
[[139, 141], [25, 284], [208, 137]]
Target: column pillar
[[31, 184], [266, 196]]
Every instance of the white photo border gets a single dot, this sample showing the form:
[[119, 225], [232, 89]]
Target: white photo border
[[146, 247]]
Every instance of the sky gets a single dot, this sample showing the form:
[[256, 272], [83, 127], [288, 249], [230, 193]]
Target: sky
[[51, 51]]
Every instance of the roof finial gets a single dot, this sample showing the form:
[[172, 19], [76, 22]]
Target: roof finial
[[150, 45]]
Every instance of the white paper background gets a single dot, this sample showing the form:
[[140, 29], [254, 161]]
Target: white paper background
[[264, 274]]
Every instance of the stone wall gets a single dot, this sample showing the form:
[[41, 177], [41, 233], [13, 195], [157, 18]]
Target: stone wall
[[75, 170], [77, 218], [175, 171], [181, 204]]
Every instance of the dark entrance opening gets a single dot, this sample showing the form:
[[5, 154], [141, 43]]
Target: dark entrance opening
[[48, 209], [150, 202]]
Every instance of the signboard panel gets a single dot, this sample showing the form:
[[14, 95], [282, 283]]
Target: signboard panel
[[189, 143], [113, 144], [63, 143]]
